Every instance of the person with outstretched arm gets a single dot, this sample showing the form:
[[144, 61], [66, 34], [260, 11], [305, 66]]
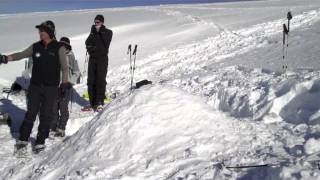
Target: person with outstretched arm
[[97, 45], [49, 59]]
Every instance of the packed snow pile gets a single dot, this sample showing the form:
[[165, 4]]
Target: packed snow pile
[[163, 132], [219, 108], [159, 132], [138, 135]]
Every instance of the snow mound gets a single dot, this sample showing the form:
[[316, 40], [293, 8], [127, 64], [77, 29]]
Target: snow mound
[[312, 146], [158, 132], [300, 104]]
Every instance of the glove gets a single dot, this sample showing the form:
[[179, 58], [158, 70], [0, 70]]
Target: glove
[[3, 59], [64, 89]]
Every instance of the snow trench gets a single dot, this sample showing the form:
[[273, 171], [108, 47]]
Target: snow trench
[[258, 94]]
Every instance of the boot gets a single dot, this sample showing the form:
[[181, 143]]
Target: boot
[[60, 133], [38, 148], [21, 148]]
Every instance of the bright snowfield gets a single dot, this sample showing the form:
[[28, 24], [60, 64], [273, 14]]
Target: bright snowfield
[[218, 99]]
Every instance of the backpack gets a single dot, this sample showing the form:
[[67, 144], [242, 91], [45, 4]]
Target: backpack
[[74, 71]]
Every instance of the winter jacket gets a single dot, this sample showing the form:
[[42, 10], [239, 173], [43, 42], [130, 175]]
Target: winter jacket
[[47, 63], [98, 43], [73, 71]]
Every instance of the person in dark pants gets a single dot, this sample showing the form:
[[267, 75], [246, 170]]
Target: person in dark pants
[[49, 59], [97, 45], [61, 116]]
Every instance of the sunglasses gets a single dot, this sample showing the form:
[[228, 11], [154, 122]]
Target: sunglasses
[[97, 22]]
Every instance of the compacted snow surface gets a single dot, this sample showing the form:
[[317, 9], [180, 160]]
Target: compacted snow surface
[[219, 99]]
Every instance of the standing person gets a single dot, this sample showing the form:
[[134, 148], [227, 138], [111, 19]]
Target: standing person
[[49, 58], [97, 45], [61, 115]]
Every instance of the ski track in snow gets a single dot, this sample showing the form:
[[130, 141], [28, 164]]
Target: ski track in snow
[[186, 19], [175, 128]]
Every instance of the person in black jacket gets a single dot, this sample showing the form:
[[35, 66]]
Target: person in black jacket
[[49, 59], [97, 45]]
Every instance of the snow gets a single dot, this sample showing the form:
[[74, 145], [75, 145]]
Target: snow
[[312, 146], [136, 128], [219, 96]]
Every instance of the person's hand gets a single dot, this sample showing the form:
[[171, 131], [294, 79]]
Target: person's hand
[[93, 29], [3, 59], [91, 49], [65, 88]]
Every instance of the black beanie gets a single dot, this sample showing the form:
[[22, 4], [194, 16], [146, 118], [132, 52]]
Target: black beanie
[[48, 27], [66, 43], [99, 17]]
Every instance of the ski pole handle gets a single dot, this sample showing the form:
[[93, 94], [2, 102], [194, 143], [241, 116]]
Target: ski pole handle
[[289, 15], [135, 49], [129, 49]]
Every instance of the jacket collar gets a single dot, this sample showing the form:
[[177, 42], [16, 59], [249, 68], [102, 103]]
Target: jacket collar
[[44, 45], [94, 30]]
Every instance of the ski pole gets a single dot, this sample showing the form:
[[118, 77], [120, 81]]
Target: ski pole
[[289, 17], [134, 62], [283, 41], [130, 58], [131, 68], [25, 64], [284, 49], [283, 46], [129, 49], [135, 49], [86, 60]]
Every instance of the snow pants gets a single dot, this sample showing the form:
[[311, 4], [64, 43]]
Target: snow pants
[[97, 73], [39, 99], [61, 109]]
